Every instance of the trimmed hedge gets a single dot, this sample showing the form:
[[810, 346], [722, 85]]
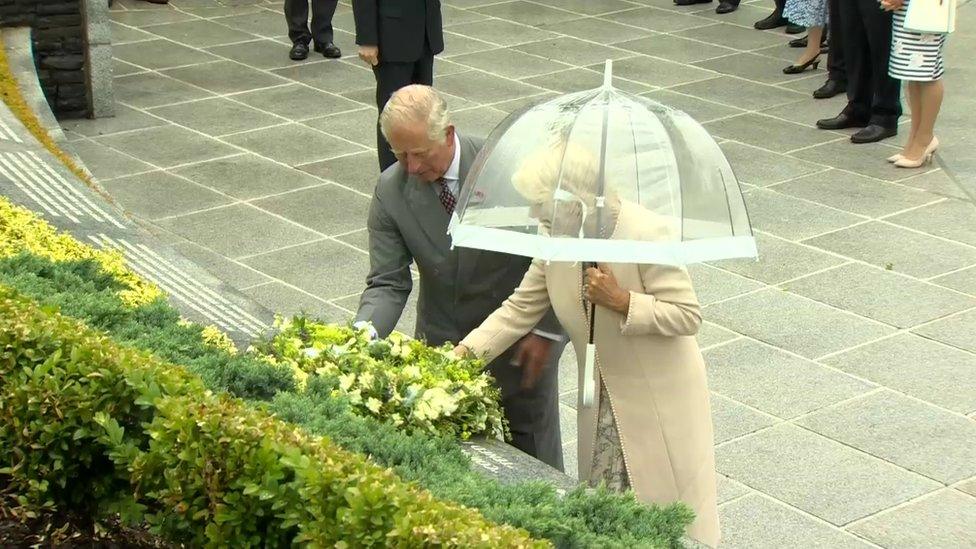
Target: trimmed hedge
[[583, 518], [90, 424]]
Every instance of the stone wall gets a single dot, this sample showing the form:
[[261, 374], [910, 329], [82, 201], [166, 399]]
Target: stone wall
[[58, 37]]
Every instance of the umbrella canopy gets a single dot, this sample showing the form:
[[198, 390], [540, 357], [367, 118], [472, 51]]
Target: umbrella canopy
[[553, 175]]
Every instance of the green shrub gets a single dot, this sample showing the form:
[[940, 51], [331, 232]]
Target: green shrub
[[89, 423]]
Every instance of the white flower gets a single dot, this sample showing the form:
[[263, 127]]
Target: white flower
[[311, 352], [411, 372], [365, 379], [373, 405], [346, 381]]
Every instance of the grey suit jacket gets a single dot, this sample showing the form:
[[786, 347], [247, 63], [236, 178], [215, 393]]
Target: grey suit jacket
[[459, 288]]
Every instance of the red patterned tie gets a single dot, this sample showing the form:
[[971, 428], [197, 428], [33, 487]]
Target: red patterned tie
[[447, 197]]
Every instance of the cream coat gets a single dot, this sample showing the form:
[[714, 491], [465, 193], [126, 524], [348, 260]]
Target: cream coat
[[650, 363]]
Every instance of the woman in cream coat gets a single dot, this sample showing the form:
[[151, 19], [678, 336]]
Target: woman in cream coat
[[650, 427]]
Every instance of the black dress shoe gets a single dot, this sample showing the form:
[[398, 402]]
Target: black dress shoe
[[329, 50], [799, 42], [794, 29], [840, 122], [691, 2], [298, 51], [874, 133], [724, 6], [830, 89], [771, 21]]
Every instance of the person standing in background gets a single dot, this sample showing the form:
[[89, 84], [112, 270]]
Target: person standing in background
[[321, 35], [836, 65], [398, 39]]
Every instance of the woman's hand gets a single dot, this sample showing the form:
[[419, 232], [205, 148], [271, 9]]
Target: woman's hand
[[892, 5], [461, 351], [601, 288]]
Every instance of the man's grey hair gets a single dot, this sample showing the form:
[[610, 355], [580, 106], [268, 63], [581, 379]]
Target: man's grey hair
[[416, 103]]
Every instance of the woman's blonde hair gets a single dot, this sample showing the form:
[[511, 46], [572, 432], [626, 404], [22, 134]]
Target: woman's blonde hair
[[557, 165]]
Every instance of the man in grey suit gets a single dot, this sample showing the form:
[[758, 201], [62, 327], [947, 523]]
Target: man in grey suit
[[459, 288]]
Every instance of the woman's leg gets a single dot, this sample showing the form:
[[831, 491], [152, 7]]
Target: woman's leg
[[929, 103], [914, 106], [812, 50]]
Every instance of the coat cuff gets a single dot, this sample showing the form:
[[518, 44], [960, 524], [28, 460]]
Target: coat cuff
[[640, 314], [479, 345]]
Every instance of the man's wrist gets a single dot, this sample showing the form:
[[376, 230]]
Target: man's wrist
[[547, 335]]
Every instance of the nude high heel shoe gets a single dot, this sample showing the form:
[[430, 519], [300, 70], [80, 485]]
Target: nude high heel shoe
[[894, 158], [925, 159]]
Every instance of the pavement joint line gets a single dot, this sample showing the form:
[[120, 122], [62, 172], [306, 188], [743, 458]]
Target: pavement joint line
[[284, 248], [737, 337], [952, 272], [896, 507], [194, 212], [287, 191]]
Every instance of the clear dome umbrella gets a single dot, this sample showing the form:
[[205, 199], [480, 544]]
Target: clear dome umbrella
[[552, 176]]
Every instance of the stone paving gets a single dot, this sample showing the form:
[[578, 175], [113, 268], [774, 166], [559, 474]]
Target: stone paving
[[842, 363]]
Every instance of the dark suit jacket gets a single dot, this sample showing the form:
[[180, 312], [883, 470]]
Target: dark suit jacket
[[399, 27], [459, 288]]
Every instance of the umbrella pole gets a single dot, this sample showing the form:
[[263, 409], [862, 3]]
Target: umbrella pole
[[589, 363]]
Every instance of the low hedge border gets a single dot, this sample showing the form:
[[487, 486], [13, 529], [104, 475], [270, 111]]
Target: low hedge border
[[90, 424]]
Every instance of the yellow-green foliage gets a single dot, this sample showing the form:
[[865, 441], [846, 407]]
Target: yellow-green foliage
[[23, 231]]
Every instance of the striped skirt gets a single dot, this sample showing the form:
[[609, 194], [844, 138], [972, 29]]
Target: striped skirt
[[914, 56]]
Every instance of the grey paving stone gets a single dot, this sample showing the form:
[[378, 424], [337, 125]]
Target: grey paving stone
[[674, 48], [158, 194], [106, 163], [747, 14], [125, 119], [330, 75], [567, 423], [527, 13], [357, 171], [748, 95], [936, 182], [946, 379], [758, 68], [408, 320], [569, 399], [780, 260], [712, 334], [588, 7], [482, 87], [891, 247], [957, 330], [659, 20], [952, 219], [143, 17], [569, 50], [713, 285], [479, 121], [815, 474], [121, 68], [799, 325], [225, 77], [570, 459], [767, 132], [775, 382], [152, 90], [805, 111], [863, 159], [238, 230], [778, 213], [216, 116], [328, 209], [199, 33], [288, 301], [945, 519], [729, 489], [509, 63], [280, 142], [247, 176], [761, 167], [458, 44], [732, 37], [122, 34], [359, 239], [325, 268], [260, 54], [968, 486], [261, 23], [160, 54], [568, 370], [599, 31], [574, 80], [513, 105], [297, 102], [443, 67], [732, 419], [454, 16], [655, 72], [881, 295], [232, 273], [855, 193], [699, 109], [915, 435], [757, 522], [167, 146], [962, 281], [501, 33], [358, 126]]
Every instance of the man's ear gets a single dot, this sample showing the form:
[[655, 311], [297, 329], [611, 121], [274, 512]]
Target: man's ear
[[449, 134]]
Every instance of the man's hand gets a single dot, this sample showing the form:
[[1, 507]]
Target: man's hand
[[891, 5], [532, 356], [370, 54]]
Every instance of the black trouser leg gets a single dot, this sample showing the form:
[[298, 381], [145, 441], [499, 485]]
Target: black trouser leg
[[322, 12], [296, 15], [857, 58], [836, 67], [389, 78], [780, 5], [885, 90]]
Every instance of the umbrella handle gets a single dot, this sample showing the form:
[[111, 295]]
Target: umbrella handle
[[589, 386]]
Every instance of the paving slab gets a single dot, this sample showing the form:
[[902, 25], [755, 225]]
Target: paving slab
[[755, 522], [945, 519]]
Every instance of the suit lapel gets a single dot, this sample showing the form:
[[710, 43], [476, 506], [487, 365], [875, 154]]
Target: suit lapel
[[429, 212]]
